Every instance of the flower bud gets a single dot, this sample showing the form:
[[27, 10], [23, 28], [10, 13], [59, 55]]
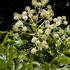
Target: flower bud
[[64, 17], [56, 35], [24, 13], [40, 31], [34, 39], [47, 31], [37, 42], [65, 22], [33, 50], [24, 29], [35, 18], [25, 18]]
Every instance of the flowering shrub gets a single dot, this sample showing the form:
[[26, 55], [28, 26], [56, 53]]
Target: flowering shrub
[[37, 41]]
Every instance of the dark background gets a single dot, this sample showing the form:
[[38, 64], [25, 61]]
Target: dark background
[[8, 7]]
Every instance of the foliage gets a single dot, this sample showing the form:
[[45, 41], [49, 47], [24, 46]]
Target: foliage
[[37, 41]]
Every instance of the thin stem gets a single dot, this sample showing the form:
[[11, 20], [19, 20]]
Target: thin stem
[[36, 23], [40, 20]]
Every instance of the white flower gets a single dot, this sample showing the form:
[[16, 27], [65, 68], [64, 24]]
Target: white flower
[[32, 11], [34, 2], [19, 23], [27, 8], [64, 17], [37, 42], [24, 13], [43, 12], [63, 37], [65, 22], [59, 18], [39, 4], [14, 27], [44, 37], [61, 31], [24, 29], [34, 39], [52, 26], [25, 18], [44, 1], [44, 43], [47, 13], [46, 46], [30, 15], [56, 35], [47, 25], [17, 16], [16, 35], [58, 23], [47, 31], [49, 6], [40, 31], [55, 20], [35, 18], [47, 22], [50, 18], [33, 50]]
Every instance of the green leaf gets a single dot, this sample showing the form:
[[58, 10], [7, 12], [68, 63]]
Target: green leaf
[[67, 29], [58, 42], [37, 68], [45, 66], [4, 65], [49, 38], [33, 25]]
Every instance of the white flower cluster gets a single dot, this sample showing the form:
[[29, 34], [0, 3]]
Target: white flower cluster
[[42, 31]]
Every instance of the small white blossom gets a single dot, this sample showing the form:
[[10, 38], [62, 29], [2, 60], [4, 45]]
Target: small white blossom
[[40, 31], [47, 13], [56, 35], [64, 17], [24, 29], [46, 46], [35, 18], [43, 43], [27, 8], [61, 31], [58, 23], [39, 4], [44, 37], [17, 16], [52, 26], [47, 25], [19, 23], [25, 18], [47, 31], [30, 15], [55, 20], [33, 50], [63, 37], [65, 22], [32, 11], [47, 22], [37, 42], [50, 18], [49, 6], [16, 35], [14, 27], [24, 13], [34, 39], [59, 18]]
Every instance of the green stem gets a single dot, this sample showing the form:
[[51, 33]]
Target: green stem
[[36, 22]]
